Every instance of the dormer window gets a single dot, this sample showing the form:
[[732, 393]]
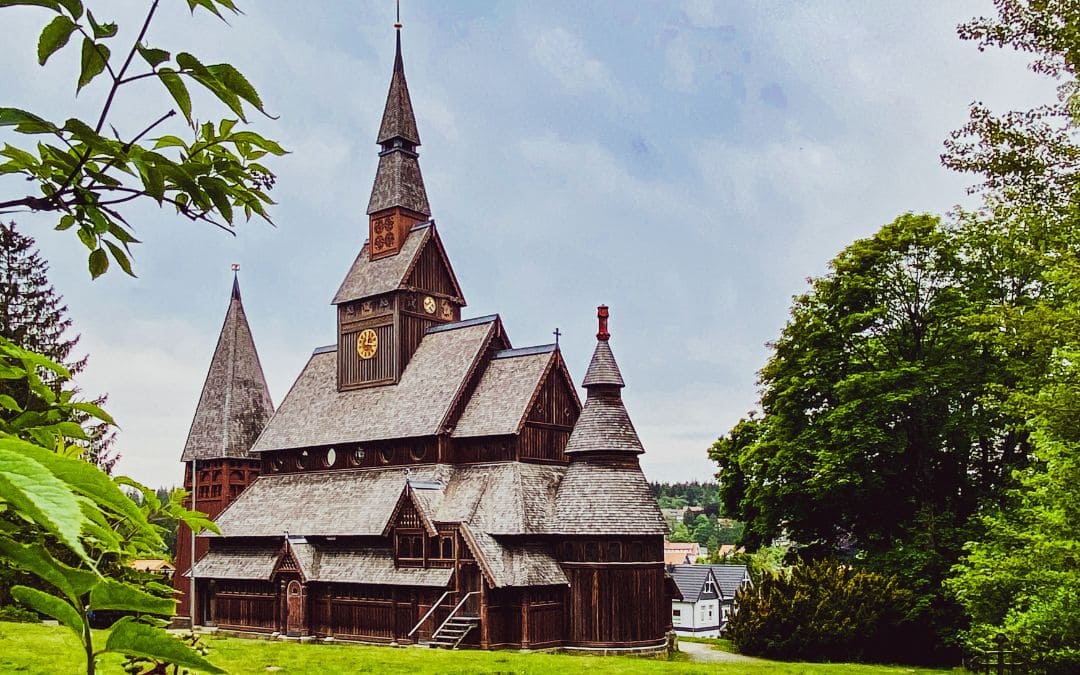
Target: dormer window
[[409, 546]]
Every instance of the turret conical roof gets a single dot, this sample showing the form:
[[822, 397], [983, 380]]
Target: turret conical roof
[[235, 402], [604, 425]]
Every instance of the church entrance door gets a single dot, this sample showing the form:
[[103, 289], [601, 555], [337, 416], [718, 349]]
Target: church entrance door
[[294, 608]]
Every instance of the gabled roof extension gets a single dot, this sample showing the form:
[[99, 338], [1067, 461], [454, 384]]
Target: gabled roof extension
[[507, 387], [367, 277], [315, 413]]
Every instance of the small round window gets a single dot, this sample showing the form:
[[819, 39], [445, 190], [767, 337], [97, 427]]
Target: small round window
[[386, 455], [331, 457], [303, 460], [418, 452], [277, 463], [358, 456]]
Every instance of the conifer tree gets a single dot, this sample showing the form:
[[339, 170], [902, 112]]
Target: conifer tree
[[33, 316]]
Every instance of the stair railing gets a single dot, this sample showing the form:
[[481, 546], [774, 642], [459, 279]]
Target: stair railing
[[429, 613], [454, 611]]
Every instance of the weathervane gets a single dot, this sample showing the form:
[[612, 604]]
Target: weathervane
[[236, 267]]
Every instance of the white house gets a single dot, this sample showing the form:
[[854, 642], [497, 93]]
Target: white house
[[708, 597], [699, 612]]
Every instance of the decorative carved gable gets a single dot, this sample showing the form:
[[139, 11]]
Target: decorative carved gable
[[431, 272], [287, 563], [408, 514]]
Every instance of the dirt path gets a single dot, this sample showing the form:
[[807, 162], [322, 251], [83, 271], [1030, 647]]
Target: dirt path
[[698, 651]]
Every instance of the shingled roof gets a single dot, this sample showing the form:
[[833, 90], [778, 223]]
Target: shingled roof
[[501, 400], [317, 563], [367, 277], [398, 119], [598, 498], [314, 412], [691, 580], [514, 564], [235, 401], [508, 498]]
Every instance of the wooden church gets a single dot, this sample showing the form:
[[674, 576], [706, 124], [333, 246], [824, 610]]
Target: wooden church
[[423, 480]]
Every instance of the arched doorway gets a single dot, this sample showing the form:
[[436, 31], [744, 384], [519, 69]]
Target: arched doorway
[[294, 609]]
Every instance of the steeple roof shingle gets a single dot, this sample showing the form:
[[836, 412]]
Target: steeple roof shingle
[[235, 403]]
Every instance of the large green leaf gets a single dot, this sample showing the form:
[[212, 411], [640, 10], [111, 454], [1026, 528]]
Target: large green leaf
[[25, 122], [51, 606], [154, 57], [99, 262], [234, 81], [34, 559], [54, 36], [177, 89], [41, 496], [84, 478], [50, 4], [138, 639], [94, 57], [112, 594]]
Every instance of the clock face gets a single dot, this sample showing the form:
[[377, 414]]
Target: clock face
[[429, 304], [367, 343]]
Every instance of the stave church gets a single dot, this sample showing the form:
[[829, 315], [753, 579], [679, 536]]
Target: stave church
[[424, 480]]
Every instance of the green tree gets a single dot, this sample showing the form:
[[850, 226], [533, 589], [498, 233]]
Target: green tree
[[86, 177], [33, 316], [885, 420], [680, 534]]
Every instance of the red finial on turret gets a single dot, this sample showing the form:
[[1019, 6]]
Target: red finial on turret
[[602, 317]]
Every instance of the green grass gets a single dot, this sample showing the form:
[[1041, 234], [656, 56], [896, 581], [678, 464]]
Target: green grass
[[34, 648], [719, 644]]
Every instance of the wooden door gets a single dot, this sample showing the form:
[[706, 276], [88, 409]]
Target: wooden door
[[294, 608]]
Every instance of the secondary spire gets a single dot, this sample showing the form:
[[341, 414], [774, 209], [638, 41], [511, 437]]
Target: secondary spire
[[398, 182]]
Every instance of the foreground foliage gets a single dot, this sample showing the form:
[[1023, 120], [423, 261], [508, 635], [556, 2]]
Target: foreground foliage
[[87, 175], [67, 523], [823, 611]]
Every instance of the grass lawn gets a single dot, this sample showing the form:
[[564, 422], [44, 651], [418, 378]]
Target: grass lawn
[[32, 648]]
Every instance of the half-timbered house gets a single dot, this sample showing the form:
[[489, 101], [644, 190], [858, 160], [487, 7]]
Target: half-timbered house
[[425, 480]]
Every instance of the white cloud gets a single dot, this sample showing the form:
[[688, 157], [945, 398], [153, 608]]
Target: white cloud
[[565, 57]]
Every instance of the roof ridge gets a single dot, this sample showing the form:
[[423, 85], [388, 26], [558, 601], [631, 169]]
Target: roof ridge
[[464, 323]]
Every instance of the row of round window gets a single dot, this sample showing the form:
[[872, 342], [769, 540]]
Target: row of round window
[[305, 460]]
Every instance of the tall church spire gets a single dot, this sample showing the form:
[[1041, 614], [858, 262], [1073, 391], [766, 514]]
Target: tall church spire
[[235, 402], [398, 198]]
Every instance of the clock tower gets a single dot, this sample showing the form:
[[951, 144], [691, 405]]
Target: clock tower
[[402, 283]]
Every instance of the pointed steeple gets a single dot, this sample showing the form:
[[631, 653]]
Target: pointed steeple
[[604, 425], [398, 182], [235, 402]]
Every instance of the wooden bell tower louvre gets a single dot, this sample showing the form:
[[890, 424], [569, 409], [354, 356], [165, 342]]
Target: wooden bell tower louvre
[[233, 409]]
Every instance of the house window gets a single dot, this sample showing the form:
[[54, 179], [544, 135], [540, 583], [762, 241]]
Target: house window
[[447, 548], [676, 616], [386, 455], [418, 452], [358, 456], [709, 587], [303, 460], [331, 457]]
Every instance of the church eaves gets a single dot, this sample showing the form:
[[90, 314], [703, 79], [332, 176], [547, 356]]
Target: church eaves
[[235, 403]]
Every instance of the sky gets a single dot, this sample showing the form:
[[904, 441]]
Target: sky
[[690, 164]]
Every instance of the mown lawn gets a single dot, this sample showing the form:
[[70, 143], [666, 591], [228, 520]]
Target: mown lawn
[[30, 648]]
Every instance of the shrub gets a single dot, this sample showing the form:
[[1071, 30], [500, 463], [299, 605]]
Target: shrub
[[17, 614], [822, 611]]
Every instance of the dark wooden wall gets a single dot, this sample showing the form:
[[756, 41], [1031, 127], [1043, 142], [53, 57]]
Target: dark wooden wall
[[220, 481], [245, 605]]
